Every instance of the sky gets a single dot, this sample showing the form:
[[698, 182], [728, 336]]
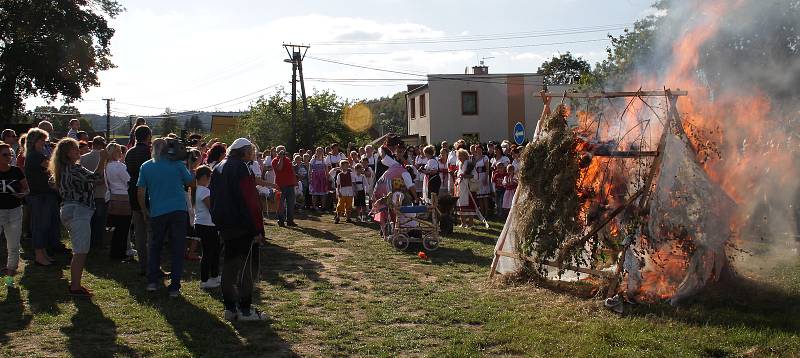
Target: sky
[[222, 55]]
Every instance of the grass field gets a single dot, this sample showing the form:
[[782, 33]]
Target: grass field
[[337, 290]]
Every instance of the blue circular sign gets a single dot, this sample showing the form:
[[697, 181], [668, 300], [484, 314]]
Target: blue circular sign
[[519, 133]]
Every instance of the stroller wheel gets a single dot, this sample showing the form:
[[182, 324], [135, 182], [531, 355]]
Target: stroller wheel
[[400, 242], [430, 243]]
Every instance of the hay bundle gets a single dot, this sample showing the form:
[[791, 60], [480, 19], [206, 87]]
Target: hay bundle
[[549, 214]]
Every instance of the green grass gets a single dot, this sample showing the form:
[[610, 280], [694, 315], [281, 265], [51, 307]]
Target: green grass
[[337, 290]]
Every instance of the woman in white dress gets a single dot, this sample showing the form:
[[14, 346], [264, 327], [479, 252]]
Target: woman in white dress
[[483, 174], [465, 206]]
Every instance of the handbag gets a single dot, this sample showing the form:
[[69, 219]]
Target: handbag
[[119, 205]]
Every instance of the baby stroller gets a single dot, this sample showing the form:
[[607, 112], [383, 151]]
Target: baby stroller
[[413, 224]]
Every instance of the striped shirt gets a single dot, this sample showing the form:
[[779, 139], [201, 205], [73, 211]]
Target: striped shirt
[[77, 185]]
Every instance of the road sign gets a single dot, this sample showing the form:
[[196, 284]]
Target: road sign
[[519, 133]]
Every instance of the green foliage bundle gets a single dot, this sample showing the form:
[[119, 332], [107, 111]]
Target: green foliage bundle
[[549, 214]]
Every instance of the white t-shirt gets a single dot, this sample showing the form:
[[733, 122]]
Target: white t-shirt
[[432, 164], [201, 214], [360, 182]]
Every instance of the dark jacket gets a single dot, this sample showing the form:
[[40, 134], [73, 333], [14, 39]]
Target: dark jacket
[[134, 159], [235, 207]]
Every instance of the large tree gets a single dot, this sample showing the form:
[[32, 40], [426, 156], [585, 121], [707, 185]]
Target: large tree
[[169, 123], [564, 69], [52, 48]]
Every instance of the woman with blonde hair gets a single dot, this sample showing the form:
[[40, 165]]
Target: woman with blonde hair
[[75, 184], [119, 207], [43, 199]]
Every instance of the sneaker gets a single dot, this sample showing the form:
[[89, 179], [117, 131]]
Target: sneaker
[[151, 287], [131, 252], [175, 294], [253, 315], [211, 283], [291, 224], [230, 315], [336, 219], [349, 220], [281, 224]]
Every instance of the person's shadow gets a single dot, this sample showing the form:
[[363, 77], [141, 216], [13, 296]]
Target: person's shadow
[[12, 316], [200, 331], [91, 329]]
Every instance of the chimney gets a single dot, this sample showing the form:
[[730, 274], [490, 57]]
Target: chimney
[[480, 70]]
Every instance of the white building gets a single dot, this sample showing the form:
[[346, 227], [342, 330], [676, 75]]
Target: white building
[[477, 107]]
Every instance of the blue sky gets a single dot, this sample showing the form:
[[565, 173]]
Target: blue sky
[[221, 55]]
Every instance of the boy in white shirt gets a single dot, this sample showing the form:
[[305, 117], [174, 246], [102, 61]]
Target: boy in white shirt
[[360, 185], [205, 229]]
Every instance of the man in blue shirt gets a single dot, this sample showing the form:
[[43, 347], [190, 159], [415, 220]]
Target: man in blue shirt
[[163, 181]]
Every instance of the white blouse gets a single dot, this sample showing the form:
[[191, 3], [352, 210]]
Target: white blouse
[[117, 177]]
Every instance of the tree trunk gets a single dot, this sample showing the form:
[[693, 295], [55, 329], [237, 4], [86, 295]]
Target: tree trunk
[[8, 95]]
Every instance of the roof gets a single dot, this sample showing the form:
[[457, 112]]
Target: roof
[[417, 89]]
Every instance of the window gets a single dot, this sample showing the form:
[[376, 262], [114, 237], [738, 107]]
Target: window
[[469, 103], [422, 109], [413, 108], [422, 139]]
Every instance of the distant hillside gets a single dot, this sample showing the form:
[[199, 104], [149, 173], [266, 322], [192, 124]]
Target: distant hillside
[[120, 125]]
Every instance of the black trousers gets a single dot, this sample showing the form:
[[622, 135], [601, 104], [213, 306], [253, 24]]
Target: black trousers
[[239, 270], [209, 238], [119, 242]]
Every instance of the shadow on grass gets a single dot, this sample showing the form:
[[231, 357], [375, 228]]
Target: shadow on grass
[[278, 260], [325, 235], [481, 236], [447, 255], [735, 302], [91, 332], [201, 332], [12, 317], [46, 287]]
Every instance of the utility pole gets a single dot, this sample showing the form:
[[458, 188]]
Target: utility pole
[[108, 117], [296, 55]]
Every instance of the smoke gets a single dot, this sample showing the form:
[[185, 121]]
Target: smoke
[[740, 62]]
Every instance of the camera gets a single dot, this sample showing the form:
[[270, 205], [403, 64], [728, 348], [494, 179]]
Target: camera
[[175, 149]]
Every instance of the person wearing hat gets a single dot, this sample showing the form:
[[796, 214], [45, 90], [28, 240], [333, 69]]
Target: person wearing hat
[[162, 181], [236, 212]]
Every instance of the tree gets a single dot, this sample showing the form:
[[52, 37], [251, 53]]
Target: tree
[[268, 122], [60, 118], [52, 48], [169, 124], [389, 113], [564, 69], [193, 124]]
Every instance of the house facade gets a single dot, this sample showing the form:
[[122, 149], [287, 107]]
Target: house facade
[[478, 107]]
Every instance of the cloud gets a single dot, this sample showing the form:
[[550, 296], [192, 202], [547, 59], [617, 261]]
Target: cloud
[[530, 56]]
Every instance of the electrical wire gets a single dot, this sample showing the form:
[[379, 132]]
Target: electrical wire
[[489, 37], [467, 49]]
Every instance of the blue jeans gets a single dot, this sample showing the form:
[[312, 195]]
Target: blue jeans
[[99, 222], [173, 224], [287, 204], [45, 226], [499, 193]]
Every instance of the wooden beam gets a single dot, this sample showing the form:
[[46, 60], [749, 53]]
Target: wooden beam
[[593, 95], [627, 154], [587, 271]]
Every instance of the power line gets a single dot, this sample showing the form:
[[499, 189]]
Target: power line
[[466, 49], [474, 38]]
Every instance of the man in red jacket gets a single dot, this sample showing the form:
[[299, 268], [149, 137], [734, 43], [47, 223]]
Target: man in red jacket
[[286, 180], [236, 212]]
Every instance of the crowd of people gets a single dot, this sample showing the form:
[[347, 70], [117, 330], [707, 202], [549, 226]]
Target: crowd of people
[[209, 200]]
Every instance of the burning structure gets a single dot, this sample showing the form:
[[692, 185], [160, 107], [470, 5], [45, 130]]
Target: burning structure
[[666, 186]]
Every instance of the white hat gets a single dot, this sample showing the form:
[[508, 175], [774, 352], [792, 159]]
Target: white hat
[[240, 143]]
